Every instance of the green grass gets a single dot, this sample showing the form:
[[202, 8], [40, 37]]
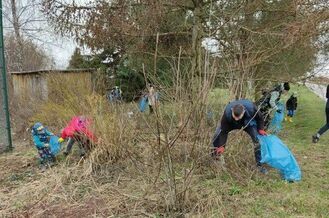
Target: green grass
[[310, 197]]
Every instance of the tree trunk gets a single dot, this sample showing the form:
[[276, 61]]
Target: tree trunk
[[17, 34], [196, 65], [197, 38], [243, 59]]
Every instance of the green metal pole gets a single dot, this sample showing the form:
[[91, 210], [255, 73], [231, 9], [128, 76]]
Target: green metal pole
[[4, 82]]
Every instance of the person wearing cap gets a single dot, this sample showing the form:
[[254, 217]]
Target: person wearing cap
[[269, 101], [275, 95], [323, 129], [41, 137], [291, 106], [240, 114]]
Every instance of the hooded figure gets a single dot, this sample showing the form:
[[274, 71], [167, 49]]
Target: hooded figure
[[78, 130], [291, 106], [41, 138]]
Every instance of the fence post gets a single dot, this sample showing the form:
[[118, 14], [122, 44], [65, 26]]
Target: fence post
[[4, 82]]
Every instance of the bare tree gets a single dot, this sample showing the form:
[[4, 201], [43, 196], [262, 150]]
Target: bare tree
[[25, 22], [31, 56], [259, 41]]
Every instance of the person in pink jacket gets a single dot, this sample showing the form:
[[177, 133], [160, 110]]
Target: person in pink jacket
[[78, 130]]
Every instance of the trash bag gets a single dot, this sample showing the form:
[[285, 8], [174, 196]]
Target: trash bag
[[276, 154], [54, 145], [276, 122], [143, 104]]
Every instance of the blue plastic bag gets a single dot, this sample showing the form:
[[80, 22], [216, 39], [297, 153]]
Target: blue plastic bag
[[54, 145], [143, 104], [276, 123], [276, 154]]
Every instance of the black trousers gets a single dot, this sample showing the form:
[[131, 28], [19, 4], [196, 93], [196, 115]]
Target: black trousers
[[151, 109], [220, 139], [83, 143], [326, 126]]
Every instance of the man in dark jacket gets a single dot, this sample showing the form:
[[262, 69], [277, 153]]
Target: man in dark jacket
[[291, 106], [323, 129], [241, 114]]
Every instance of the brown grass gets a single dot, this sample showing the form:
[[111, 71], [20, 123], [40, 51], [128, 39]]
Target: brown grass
[[147, 165]]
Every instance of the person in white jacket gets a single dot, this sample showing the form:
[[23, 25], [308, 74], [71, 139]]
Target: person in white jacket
[[152, 98]]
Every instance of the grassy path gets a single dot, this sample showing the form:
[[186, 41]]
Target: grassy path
[[310, 197]]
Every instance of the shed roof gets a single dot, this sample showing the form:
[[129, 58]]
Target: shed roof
[[54, 71]]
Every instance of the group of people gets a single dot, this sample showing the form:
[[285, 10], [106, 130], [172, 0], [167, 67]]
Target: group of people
[[253, 118], [114, 95], [77, 130]]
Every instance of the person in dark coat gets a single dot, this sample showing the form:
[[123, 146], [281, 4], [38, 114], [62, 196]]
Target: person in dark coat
[[241, 114], [323, 129], [291, 106]]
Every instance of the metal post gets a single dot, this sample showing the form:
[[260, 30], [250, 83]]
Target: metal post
[[4, 82]]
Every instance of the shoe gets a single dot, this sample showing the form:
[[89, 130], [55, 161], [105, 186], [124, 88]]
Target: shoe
[[315, 138], [290, 120], [262, 170], [66, 153], [286, 118]]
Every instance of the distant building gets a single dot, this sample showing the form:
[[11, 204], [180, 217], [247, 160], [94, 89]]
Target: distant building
[[34, 85]]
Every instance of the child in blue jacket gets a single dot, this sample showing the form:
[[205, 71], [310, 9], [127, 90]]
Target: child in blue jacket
[[41, 137]]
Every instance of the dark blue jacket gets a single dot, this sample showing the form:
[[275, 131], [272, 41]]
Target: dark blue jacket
[[251, 116], [291, 103]]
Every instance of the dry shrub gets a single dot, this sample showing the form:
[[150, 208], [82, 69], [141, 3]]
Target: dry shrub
[[110, 123], [149, 164]]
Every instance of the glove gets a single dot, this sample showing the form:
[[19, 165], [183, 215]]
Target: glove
[[279, 111], [219, 150], [60, 140], [262, 132]]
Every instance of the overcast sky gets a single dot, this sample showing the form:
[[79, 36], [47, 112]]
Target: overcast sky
[[36, 27], [61, 48], [61, 51]]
